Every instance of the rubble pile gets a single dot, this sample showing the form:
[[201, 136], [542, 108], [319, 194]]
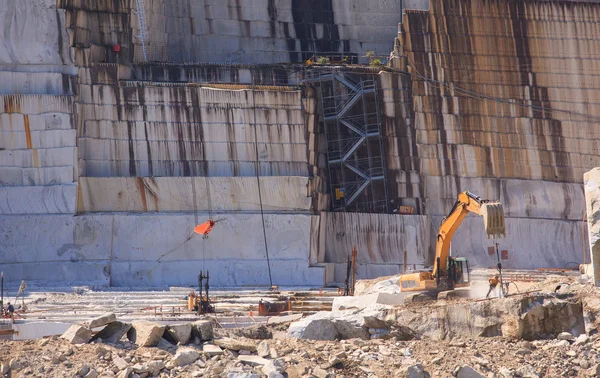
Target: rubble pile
[[235, 357], [550, 333]]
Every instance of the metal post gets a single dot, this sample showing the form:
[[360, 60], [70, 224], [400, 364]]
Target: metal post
[[2, 298], [353, 269], [405, 262], [348, 272], [206, 288], [499, 270], [200, 279]]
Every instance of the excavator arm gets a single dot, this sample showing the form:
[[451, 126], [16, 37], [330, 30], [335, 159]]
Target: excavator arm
[[440, 279], [467, 202]]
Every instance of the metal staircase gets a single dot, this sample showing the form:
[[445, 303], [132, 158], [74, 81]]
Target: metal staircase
[[350, 112]]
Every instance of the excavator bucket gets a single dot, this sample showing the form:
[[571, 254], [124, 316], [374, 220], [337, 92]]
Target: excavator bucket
[[493, 219]]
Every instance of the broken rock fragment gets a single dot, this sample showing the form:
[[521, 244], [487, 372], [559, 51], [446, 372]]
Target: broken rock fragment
[[144, 333], [151, 367], [235, 345], [113, 332], [527, 371], [125, 373], [183, 357], [212, 350], [178, 333], [257, 332], [314, 327], [77, 334], [203, 330], [263, 349], [565, 336], [238, 374], [468, 372], [414, 371], [4, 368], [253, 360], [102, 320], [273, 369]]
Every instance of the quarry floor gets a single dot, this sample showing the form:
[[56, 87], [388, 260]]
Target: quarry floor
[[235, 307], [493, 357]]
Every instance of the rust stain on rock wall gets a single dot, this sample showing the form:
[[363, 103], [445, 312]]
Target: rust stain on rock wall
[[488, 82]]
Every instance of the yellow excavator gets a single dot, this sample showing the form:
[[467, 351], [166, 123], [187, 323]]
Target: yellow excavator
[[452, 272]]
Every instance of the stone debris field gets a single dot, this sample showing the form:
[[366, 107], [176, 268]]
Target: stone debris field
[[548, 330]]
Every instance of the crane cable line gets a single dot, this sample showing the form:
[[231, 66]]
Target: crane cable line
[[262, 213]]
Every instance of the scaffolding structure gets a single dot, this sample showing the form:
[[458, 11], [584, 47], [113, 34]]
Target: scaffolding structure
[[355, 153]]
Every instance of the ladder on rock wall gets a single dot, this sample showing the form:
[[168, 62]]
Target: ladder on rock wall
[[350, 113], [142, 21]]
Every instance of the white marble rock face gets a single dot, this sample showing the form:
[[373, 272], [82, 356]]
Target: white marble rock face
[[592, 197]]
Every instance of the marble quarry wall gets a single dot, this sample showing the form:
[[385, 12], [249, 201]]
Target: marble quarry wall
[[147, 250], [502, 103], [232, 32], [107, 161]]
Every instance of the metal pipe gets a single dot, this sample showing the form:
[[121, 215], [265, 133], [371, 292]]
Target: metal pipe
[[499, 270], [353, 270]]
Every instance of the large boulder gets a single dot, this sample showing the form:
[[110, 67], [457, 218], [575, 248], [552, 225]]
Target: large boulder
[[319, 326], [533, 317], [544, 317], [113, 332], [351, 325], [342, 324], [144, 333], [203, 330], [102, 320], [388, 285], [77, 334], [178, 333]]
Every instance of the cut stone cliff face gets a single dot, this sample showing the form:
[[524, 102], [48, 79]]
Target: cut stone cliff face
[[231, 31], [497, 97]]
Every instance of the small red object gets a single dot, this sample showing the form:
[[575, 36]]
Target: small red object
[[116, 48], [504, 254], [204, 228]]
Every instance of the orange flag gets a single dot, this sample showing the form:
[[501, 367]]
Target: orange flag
[[204, 228]]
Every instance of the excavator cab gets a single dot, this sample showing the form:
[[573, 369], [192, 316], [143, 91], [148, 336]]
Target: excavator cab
[[459, 273]]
